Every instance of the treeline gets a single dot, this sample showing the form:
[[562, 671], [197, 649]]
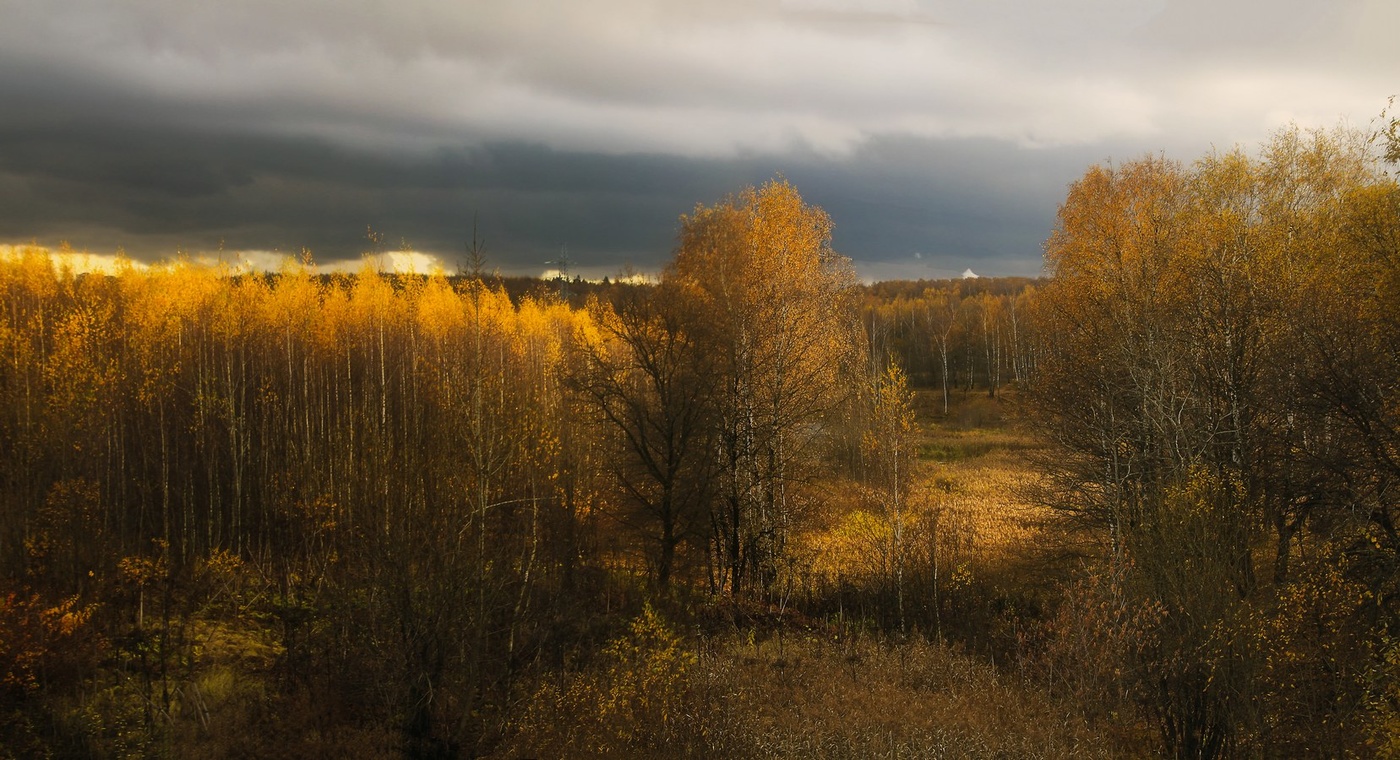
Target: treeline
[[393, 496], [954, 335], [393, 460], [1221, 375]]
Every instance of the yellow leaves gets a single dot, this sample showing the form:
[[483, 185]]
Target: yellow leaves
[[1372, 225], [81, 370], [487, 307], [858, 546], [634, 698], [591, 325], [757, 274], [66, 618], [894, 405], [1129, 231], [329, 330], [758, 249], [294, 304], [141, 571], [29, 269], [440, 312], [372, 300], [785, 232], [651, 650], [647, 667], [1115, 229]]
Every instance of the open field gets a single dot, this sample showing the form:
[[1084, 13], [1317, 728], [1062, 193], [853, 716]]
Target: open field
[[969, 518]]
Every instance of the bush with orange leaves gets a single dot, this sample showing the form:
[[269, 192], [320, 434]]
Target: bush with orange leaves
[[41, 643]]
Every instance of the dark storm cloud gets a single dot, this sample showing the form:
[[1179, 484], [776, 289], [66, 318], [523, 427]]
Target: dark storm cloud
[[153, 190], [85, 166], [939, 135]]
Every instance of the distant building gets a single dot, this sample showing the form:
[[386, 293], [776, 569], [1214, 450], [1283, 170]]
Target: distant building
[[968, 274]]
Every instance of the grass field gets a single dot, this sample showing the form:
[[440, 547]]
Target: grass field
[[976, 463], [970, 506]]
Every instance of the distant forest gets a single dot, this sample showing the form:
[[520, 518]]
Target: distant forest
[[1145, 505]]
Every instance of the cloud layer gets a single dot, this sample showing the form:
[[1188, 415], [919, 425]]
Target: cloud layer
[[946, 129]]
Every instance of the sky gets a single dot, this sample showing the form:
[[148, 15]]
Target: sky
[[940, 135]]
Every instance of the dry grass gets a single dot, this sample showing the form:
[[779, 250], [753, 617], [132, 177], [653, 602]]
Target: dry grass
[[811, 689], [982, 474], [970, 505], [816, 696], [984, 489], [831, 697]]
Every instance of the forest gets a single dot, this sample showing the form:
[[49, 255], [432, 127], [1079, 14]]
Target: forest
[[1145, 505]]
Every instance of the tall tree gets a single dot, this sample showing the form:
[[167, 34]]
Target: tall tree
[[652, 385], [770, 302]]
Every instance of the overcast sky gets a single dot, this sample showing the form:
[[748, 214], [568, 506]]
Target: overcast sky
[[939, 135]]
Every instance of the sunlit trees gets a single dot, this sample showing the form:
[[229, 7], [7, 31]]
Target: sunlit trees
[[397, 457], [412, 501], [411, 471], [768, 300], [1201, 330], [939, 315]]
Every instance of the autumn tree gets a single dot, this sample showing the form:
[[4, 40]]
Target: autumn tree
[[651, 384], [1201, 330], [891, 447], [939, 316], [768, 299]]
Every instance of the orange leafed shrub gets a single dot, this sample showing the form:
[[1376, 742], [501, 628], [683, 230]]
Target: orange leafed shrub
[[37, 639]]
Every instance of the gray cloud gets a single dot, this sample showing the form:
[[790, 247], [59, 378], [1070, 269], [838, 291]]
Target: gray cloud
[[153, 192], [938, 128]]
